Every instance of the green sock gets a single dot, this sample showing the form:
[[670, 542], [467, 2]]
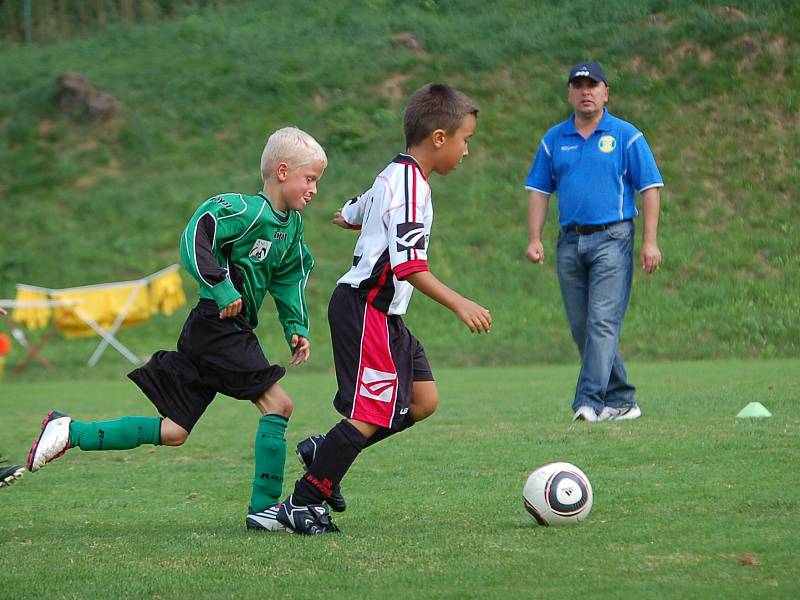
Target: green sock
[[270, 451], [120, 434]]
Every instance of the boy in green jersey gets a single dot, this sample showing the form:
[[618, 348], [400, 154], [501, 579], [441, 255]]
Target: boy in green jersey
[[239, 249]]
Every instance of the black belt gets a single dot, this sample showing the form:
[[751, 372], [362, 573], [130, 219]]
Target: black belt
[[587, 229]]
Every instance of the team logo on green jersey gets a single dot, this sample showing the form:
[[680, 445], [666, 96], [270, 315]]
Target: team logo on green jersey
[[260, 250], [607, 144]]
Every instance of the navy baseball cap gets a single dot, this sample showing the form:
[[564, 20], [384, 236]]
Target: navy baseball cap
[[587, 69]]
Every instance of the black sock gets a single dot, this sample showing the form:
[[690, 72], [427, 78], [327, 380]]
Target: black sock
[[341, 447], [384, 433]]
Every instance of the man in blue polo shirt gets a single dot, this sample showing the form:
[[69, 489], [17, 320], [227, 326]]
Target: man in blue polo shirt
[[596, 163]]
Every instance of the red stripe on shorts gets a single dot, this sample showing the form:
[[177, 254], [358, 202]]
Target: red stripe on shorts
[[376, 388]]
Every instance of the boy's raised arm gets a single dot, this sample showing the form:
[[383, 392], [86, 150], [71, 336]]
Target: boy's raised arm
[[351, 215]]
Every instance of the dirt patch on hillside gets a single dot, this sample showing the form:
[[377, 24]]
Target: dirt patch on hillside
[[393, 87], [409, 41], [690, 50], [113, 170], [733, 14]]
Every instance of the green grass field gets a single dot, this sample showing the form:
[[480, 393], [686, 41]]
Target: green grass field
[[689, 501]]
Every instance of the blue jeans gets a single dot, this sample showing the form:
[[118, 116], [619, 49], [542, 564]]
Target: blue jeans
[[595, 272]]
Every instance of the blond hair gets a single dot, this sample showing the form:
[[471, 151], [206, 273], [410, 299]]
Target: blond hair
[[293, 146]]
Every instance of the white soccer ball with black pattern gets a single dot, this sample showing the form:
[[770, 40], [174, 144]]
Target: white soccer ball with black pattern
[[558, 493]]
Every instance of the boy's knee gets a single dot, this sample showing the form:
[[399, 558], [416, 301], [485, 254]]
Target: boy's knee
[[275, 401], [424, 404], [420, 412], [172, 434]]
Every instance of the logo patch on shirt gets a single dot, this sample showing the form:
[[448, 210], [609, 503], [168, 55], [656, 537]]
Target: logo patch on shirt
[[377, 385], [569, 148], [410, 236], [222, 201], [260, 250], [607, 144]]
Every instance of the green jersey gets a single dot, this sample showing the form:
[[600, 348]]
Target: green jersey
[[239, 246]]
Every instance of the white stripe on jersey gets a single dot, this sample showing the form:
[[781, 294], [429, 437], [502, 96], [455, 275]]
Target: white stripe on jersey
[[249, 227], [395, 216]]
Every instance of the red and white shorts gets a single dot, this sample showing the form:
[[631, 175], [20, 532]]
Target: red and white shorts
[[377, 360]]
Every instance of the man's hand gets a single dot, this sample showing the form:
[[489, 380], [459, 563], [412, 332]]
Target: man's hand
[[339, 220], [230, 311], [535, 252], [477, 318], [650, 257], [301, 350]]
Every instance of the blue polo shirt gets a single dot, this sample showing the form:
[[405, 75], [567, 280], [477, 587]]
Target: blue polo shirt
[[595, 179]]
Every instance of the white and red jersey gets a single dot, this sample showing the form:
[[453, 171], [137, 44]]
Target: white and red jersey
[[395, 217]]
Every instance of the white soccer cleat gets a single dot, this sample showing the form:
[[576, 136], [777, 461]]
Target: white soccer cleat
[[624, 413], [266, 520], [585, 413], [52, 442]]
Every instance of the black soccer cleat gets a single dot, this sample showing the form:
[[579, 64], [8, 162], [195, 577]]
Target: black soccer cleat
[[306, 452], [313, 519], [9, 475]]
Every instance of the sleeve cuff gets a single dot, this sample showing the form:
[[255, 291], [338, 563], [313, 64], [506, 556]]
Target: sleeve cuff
[[224, 293], [298, 330], [530, 188], [407, 268], [651, 185], [350, 225]]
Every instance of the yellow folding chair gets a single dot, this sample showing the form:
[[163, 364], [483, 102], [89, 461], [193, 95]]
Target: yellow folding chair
[[103, 309]]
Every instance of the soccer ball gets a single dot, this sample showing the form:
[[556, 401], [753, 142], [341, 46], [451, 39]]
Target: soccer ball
[[558, 493]]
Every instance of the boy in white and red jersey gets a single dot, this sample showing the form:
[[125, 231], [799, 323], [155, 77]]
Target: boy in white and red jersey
[[385, 383]]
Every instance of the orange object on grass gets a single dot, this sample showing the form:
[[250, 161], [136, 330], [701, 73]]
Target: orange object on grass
[[5, 344]]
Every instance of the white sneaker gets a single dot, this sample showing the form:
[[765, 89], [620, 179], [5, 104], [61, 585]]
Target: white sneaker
[[624, 413], [585, 413], [52, 442], [266, 520]]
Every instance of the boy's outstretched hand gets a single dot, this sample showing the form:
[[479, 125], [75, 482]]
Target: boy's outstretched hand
[[301, 350], [477, 318], [233, 309]]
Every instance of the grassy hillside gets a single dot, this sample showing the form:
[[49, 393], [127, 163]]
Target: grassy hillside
[[713, 87]]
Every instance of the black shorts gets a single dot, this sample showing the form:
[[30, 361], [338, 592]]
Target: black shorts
[[377, 360], [214, 355]]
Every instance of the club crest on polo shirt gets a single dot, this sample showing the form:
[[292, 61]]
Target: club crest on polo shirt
[[377, 385], [607, 144], [260, 250]]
